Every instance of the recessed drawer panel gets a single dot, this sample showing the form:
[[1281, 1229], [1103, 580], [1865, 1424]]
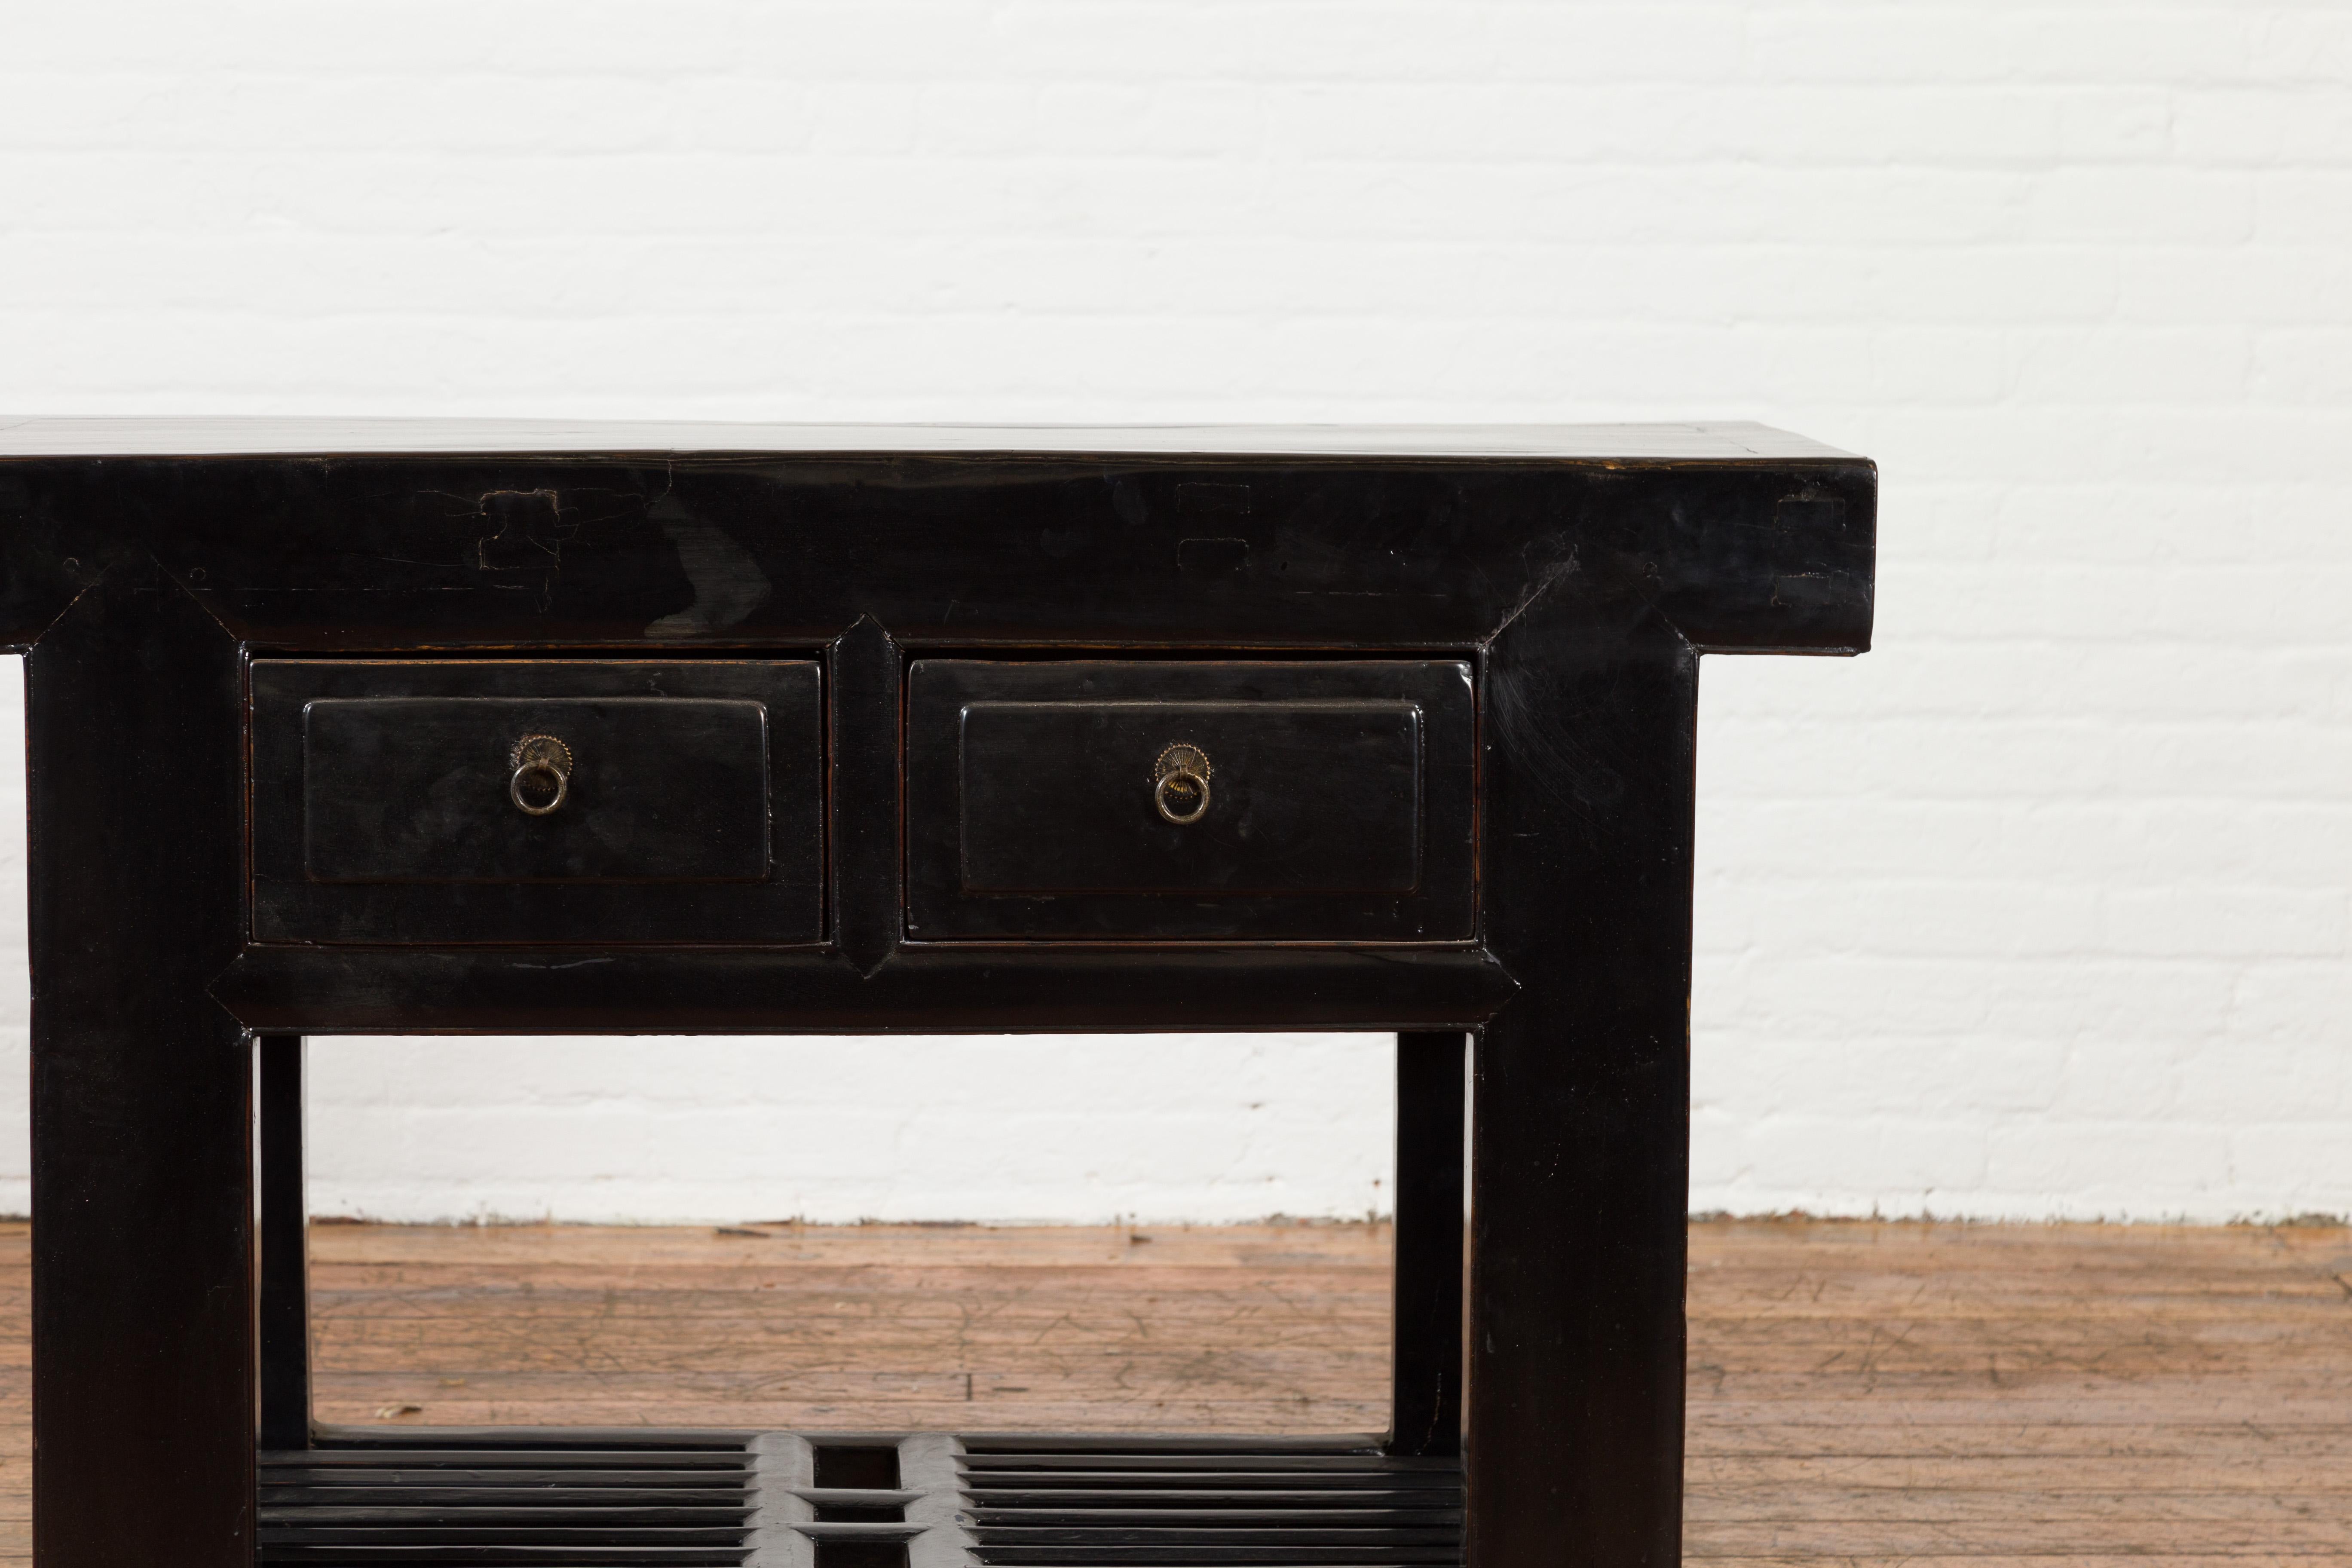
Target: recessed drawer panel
[[1290, 797], [429, 789], [536, 801], [1249, 800]]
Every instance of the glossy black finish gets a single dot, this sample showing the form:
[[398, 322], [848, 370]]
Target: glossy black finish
[[947, 989], [1426, 1377], [1579, 1142], [868, 894], [1341, 800], [1040, 1501], [1577, 575], [282, 1316], [561, 1497], [746, 550], [1096, 797], [440, 789], [382, 810], [142, 1171], [642, 1504]]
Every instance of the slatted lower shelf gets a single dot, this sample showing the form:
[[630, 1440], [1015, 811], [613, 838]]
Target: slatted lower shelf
[[1039, 1502], [668, 1500], [463, 1503]]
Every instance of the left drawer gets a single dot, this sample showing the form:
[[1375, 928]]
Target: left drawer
[[538, 801]]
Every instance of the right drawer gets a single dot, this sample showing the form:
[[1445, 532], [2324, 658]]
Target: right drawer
[[1286, 801]]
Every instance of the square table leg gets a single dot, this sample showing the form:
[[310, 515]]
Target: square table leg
[[284, 1309], [1426, 1361], [142, 1167], [1580, 1146]]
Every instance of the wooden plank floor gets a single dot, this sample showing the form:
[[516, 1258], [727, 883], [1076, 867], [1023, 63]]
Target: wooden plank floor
[[1859, 1393], [1242, 1328]]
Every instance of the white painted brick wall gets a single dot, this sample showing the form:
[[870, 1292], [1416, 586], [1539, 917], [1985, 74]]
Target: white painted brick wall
[[2042, 909]]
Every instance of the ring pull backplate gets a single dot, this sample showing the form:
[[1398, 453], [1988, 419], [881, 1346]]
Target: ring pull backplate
[[1179, 788], [543, 775]]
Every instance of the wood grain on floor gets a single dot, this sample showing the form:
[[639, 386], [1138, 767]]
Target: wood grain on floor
[[1867, 1393], [1242, 1328], [1859, 1393]]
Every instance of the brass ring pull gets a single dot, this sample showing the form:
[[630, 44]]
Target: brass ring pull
[[1180, 790], [545, 762]]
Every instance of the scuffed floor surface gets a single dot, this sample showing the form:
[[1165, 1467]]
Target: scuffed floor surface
[[1859, 1393]]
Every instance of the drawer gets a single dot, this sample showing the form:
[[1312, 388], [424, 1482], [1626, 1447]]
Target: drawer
[[556, 800], [1260, 800]]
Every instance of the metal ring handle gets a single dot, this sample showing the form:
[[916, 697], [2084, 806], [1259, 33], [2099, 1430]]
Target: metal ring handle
[[1180, 760], [1159, 795], [514, 787], [544, 757]]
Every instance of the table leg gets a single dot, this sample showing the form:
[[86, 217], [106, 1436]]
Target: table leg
[[1579, 1152], [1425, 1368], [285, 1305], [142, 1162]]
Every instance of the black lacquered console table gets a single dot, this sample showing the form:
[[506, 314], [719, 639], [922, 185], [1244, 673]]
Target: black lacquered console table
[[381, 728]]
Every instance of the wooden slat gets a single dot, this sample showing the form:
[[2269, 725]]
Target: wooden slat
[[384, 1505]]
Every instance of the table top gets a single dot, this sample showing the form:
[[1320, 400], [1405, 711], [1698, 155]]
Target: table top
[[1707, 441], [393, 536]]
